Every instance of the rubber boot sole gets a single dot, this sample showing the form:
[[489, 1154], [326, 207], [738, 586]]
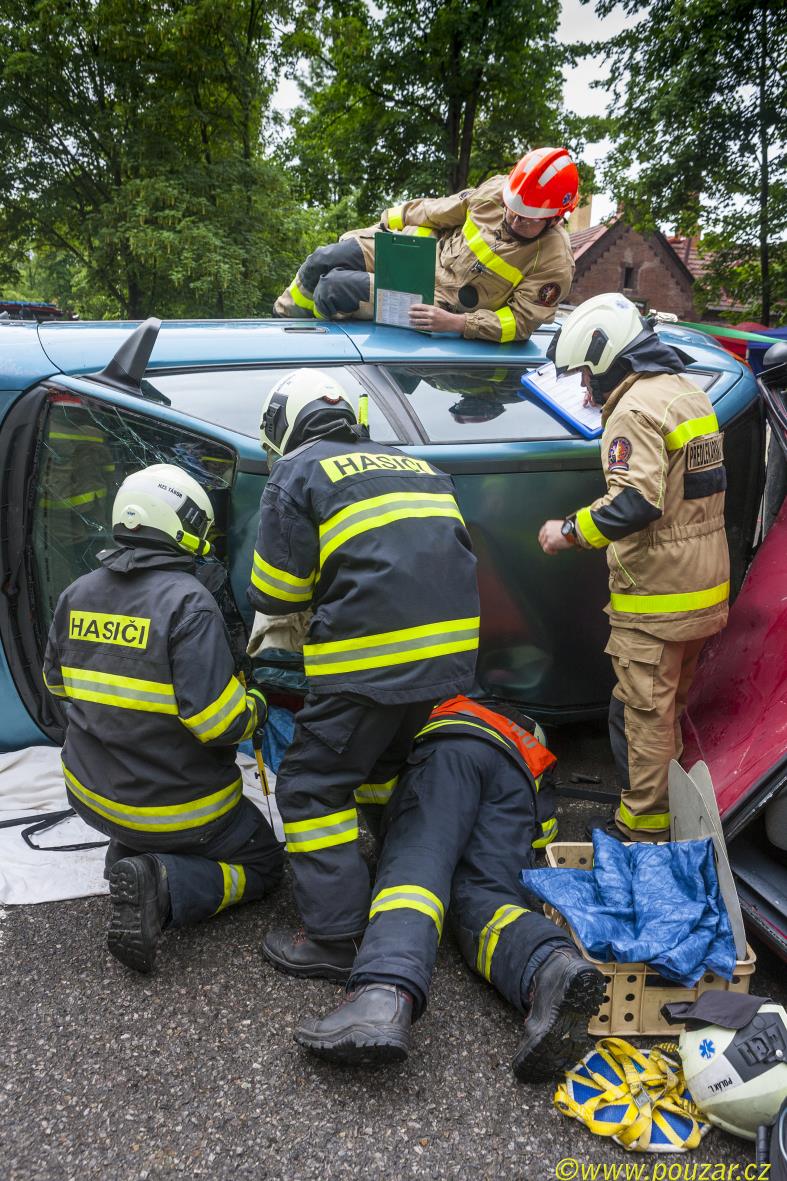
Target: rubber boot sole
[[360, 1045], [542, 1057], [134, 927], [316, 971]]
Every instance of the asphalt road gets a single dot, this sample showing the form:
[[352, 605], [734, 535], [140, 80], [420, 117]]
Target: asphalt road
[[192, 1072]]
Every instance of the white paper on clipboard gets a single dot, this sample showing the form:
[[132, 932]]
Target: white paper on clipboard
[[393, 307], [566, 395]]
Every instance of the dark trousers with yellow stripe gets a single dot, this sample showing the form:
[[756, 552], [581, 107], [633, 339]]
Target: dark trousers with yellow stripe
[[342, 744], [457, 832], [242, 863]]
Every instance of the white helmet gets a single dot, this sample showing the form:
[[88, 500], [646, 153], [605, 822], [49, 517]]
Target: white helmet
[[164, 502], [738, 1077], [296, 398], [596, 333]]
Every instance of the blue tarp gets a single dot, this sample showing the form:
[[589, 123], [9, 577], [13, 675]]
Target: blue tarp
[[654, 904]]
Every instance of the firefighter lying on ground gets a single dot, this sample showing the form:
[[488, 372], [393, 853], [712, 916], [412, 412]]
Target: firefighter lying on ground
[[504, 259], [459, 827], [375, 541], [140, 652], [662, 523]]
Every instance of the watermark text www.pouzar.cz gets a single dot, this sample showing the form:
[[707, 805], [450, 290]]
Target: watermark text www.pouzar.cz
[[570, 1169]]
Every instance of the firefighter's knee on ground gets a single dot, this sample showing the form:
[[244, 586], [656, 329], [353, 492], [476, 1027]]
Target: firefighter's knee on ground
[[341, 292]]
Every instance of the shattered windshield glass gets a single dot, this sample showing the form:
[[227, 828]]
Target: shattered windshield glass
[[86, 450]]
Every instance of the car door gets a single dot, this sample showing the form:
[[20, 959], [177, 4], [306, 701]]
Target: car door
[[65, 447]]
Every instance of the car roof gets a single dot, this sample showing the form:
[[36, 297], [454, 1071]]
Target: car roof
[[33, 351]]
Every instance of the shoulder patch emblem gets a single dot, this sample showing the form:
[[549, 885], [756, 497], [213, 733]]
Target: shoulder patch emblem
[[619, 454], [549, 294]]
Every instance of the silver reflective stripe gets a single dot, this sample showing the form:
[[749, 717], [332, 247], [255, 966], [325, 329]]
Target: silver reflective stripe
[[111, 689], [431, 641], [143, 817], [212, 723], [319, 834], [411, 896], [390, 506], [235, 882], [554, 168]]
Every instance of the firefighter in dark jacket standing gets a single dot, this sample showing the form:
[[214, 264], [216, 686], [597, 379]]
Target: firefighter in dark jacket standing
[[468, 809], [139, 650], [374, 540]]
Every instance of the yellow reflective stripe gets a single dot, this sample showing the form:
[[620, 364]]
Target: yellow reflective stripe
[[251, 725], [691, 429], [410, 897], [377, 511], [375, 793], [423, 232], [632, 604], [234, 885], [217, 717], [76, 438], [507, 325], [73, 501], [647, 820], [589, 530], [322, 832], [173, 818], [486, 255], [280, 584], [58, 690], [548, 833], [85, 684], [487, 940], [383, 649], [440, 723], [395, 219], [299, 298]]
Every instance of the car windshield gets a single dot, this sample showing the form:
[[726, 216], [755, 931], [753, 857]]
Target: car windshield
[[482, 404], [232, 398]]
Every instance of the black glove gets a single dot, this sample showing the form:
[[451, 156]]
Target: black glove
[[261, 700]]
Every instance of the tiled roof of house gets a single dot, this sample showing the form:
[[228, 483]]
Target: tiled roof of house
[[582, 240]]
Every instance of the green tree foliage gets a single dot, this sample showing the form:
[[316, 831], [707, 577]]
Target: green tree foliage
[[699, 92], [411, 97], [130, 159]]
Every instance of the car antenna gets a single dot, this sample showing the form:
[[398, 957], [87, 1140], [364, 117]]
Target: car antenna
[[127, 368]]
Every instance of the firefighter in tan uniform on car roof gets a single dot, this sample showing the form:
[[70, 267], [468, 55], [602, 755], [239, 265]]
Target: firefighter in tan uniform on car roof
[[662, 523], [504, 258]]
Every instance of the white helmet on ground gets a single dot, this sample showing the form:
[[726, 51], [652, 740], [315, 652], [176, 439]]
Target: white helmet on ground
[[163, 502], [297, 398], [596, 333], [738, 1077]]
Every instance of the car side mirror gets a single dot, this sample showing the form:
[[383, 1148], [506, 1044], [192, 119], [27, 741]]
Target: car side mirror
[[774, 372]]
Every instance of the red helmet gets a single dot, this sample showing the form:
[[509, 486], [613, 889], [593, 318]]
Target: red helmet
[[545, 183]]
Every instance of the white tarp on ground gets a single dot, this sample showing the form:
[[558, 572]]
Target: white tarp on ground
[[31, 784]]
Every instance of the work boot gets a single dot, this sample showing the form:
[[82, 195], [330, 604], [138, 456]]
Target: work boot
[[297, 954], [370, 1027], [566, 992], [140, 908], [607, 825]]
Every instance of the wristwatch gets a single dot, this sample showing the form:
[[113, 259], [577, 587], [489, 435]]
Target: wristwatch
[[569, 529]]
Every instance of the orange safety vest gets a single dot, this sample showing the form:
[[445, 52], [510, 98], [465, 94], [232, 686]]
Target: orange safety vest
[[536, 756]]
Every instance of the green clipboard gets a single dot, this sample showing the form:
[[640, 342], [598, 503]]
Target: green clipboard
[[404, 265]]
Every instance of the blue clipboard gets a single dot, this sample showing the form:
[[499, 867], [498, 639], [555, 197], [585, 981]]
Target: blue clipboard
[[541, 386]]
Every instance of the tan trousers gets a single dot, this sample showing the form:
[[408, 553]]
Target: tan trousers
[[653, 681]]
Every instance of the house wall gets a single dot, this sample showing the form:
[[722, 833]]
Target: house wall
[[623, 253]]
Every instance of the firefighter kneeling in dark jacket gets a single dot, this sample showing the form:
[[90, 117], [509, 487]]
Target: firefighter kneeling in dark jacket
[[139, 650], [461, 824], [374, 540]]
